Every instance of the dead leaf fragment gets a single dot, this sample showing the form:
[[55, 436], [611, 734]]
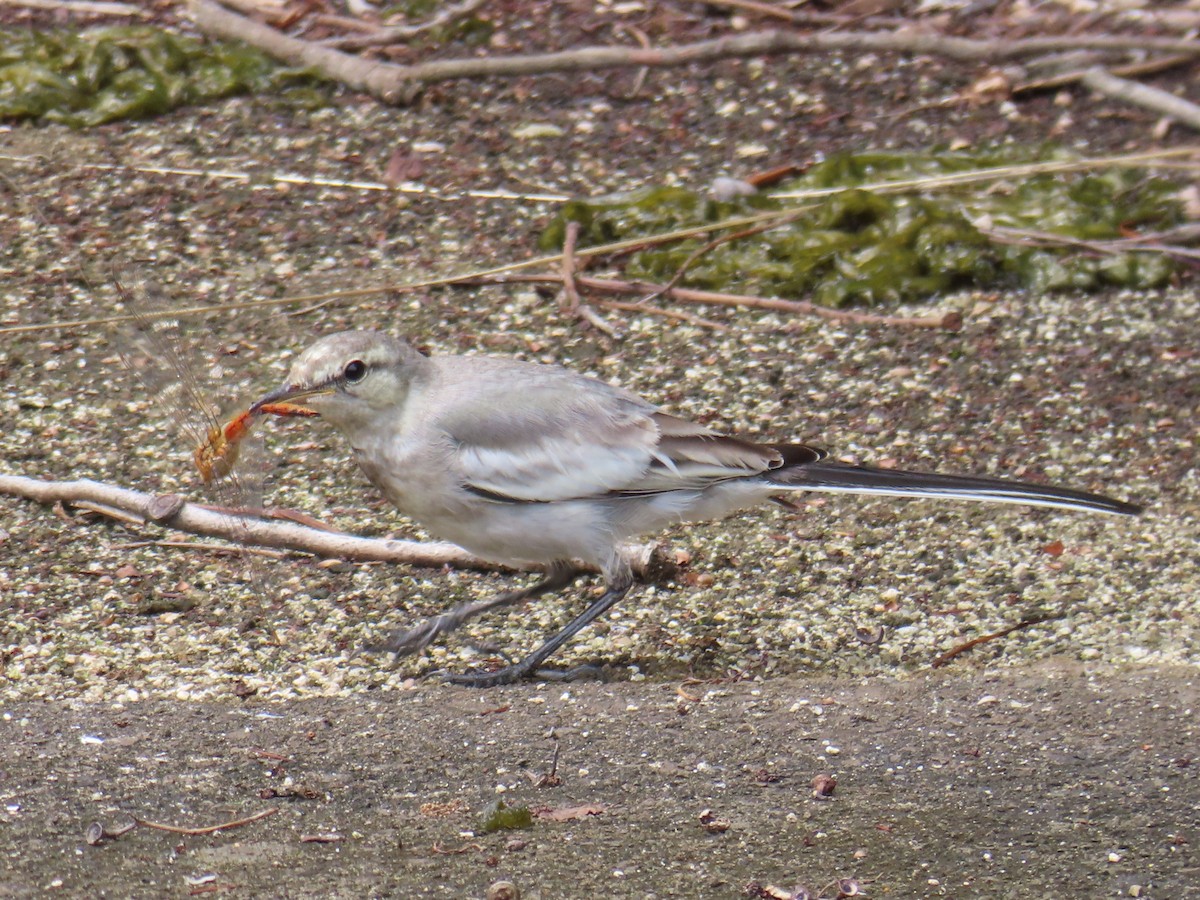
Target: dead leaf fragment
[[712, 824], [570, 813]]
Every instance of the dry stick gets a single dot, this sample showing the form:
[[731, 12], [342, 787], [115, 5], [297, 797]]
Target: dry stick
[[393, 83], [207, 829], [995, 635], [950, 321], [642, 307], [571, 301], [1149, 243], [643, 39], [83, 7], [272, 8], [772, 11], [1142, 95], [171, 511], [398, 33], [570, 296], [347, 22], [717, 242], [1149, 67], [1159, 157]]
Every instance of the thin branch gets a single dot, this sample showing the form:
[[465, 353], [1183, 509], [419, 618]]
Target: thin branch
[[642, 307], [82, 7], [1143, 95], [806, 16], [207, 829], [572, 303], [1133, 70], [770, 10], [393, 83], [1160, 157], [950, 654], [950, 321], [399, 33], [1148, 243], [272, 9], [646, 559], [717, 242]]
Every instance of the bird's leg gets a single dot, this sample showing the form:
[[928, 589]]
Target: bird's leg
[[616, 589], [405, 641]]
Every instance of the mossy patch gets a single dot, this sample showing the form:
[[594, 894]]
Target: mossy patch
[[863, 245], [108, 74]]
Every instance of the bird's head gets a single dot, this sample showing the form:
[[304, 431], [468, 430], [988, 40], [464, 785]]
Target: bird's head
[[350, 378]]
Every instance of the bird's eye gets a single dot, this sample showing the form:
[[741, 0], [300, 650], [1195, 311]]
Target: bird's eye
[[355, 371]]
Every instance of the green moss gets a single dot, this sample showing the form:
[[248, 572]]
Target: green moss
[[118, 73], [499, 816], [864, 246]]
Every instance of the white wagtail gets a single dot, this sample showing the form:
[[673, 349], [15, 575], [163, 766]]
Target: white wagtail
[[525, 463]]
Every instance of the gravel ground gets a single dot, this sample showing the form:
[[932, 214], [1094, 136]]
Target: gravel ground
[[1097, 392]]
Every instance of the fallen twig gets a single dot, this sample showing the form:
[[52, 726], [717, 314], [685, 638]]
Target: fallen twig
[[393, 83], [646, 559], [571, 302], [1163, 157], [641, 306], [949, 321], [995, 635], [805, 16], [82, 7], [1149, 67], [1148, 243], [397, 33], [717, 242], [207, 829], [1143, 95]]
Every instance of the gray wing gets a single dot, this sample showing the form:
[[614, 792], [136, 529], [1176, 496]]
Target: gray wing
[[540, 433]]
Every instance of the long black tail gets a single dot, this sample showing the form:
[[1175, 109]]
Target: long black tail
[[842, 478]]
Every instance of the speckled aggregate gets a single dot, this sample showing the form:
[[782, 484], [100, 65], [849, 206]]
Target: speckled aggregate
[[1094, 392]]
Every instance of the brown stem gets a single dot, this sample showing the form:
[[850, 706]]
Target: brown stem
[[995, 635], [646, 559], [950, 321], [393, 83], [572, 303], [207, 829], [1149, 67], [1133, 92]]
